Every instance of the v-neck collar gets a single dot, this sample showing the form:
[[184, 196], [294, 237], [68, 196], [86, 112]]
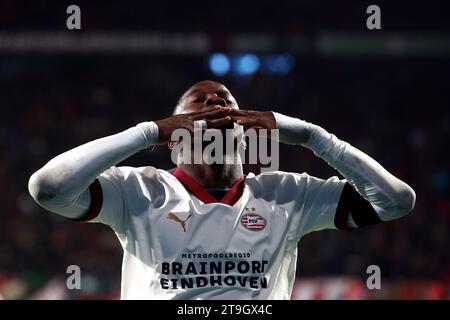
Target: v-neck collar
[[230, 198]]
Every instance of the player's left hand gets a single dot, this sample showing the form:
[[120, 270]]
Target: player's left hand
[[254, 119]]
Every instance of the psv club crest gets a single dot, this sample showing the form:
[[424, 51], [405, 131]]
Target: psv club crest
[[253, 221]]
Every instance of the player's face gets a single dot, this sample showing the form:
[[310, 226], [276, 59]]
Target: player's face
[[207, 94]]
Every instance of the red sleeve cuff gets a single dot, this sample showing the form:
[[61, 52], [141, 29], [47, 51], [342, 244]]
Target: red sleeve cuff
[[351, 202], [96, 202]]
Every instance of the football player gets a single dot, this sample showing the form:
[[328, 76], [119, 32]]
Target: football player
[[206, 231]]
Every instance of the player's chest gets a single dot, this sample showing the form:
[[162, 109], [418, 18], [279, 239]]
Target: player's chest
[[216, 228]]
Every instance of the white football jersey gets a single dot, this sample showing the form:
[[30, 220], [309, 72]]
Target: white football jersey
[[179, 242]]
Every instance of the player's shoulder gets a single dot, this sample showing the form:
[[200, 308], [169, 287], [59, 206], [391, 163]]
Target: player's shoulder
[[286, 186], [127, 173], [273, 181], [276, 176], [280, 186], [284, 178]]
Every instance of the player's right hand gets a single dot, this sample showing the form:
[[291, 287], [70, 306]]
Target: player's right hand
[[215, 117]]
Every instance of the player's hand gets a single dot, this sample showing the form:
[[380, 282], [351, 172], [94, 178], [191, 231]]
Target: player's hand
[[215, 117], [289, 134], [254, 119]]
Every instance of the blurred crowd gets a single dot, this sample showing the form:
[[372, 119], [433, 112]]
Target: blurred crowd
[[396, 111]]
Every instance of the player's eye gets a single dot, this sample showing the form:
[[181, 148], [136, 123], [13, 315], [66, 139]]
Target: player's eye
[[228, 101], [199, 100]]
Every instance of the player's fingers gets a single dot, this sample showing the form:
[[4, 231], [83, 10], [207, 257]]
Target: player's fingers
[[216, 112], [243, 113], [243, 121], [217, 123]]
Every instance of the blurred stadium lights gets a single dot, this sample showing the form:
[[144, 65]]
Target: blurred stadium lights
[[246, 64], [323, 44], [278, 64], [219, 64], [105, 42], [252, 43], [335, 44]]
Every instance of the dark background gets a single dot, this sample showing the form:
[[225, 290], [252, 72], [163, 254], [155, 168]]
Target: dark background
[[384, 91]]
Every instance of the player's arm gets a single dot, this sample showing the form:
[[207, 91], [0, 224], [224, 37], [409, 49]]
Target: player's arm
[[372, 194], [68, 184]]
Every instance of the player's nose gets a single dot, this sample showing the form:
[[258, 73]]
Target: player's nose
[[213, 100]]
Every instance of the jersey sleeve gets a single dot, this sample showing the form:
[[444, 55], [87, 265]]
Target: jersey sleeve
[[108, 204], [318, 202], [325, 204]]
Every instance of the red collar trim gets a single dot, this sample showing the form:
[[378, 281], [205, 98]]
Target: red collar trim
[[232, 196]]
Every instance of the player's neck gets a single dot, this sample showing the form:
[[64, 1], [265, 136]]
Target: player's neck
[[214, 176]]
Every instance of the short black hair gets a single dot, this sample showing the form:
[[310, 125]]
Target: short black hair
[[178, 108]]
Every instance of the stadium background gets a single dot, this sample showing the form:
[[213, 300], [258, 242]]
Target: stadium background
[[384, 91]]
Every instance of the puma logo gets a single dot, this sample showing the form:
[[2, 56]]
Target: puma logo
[[173, 216]]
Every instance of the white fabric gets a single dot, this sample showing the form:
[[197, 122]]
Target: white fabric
[[292, 205], [61, 186], [291, 130], [146, 207], [138, 201], [151, 132], [390, 197]]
